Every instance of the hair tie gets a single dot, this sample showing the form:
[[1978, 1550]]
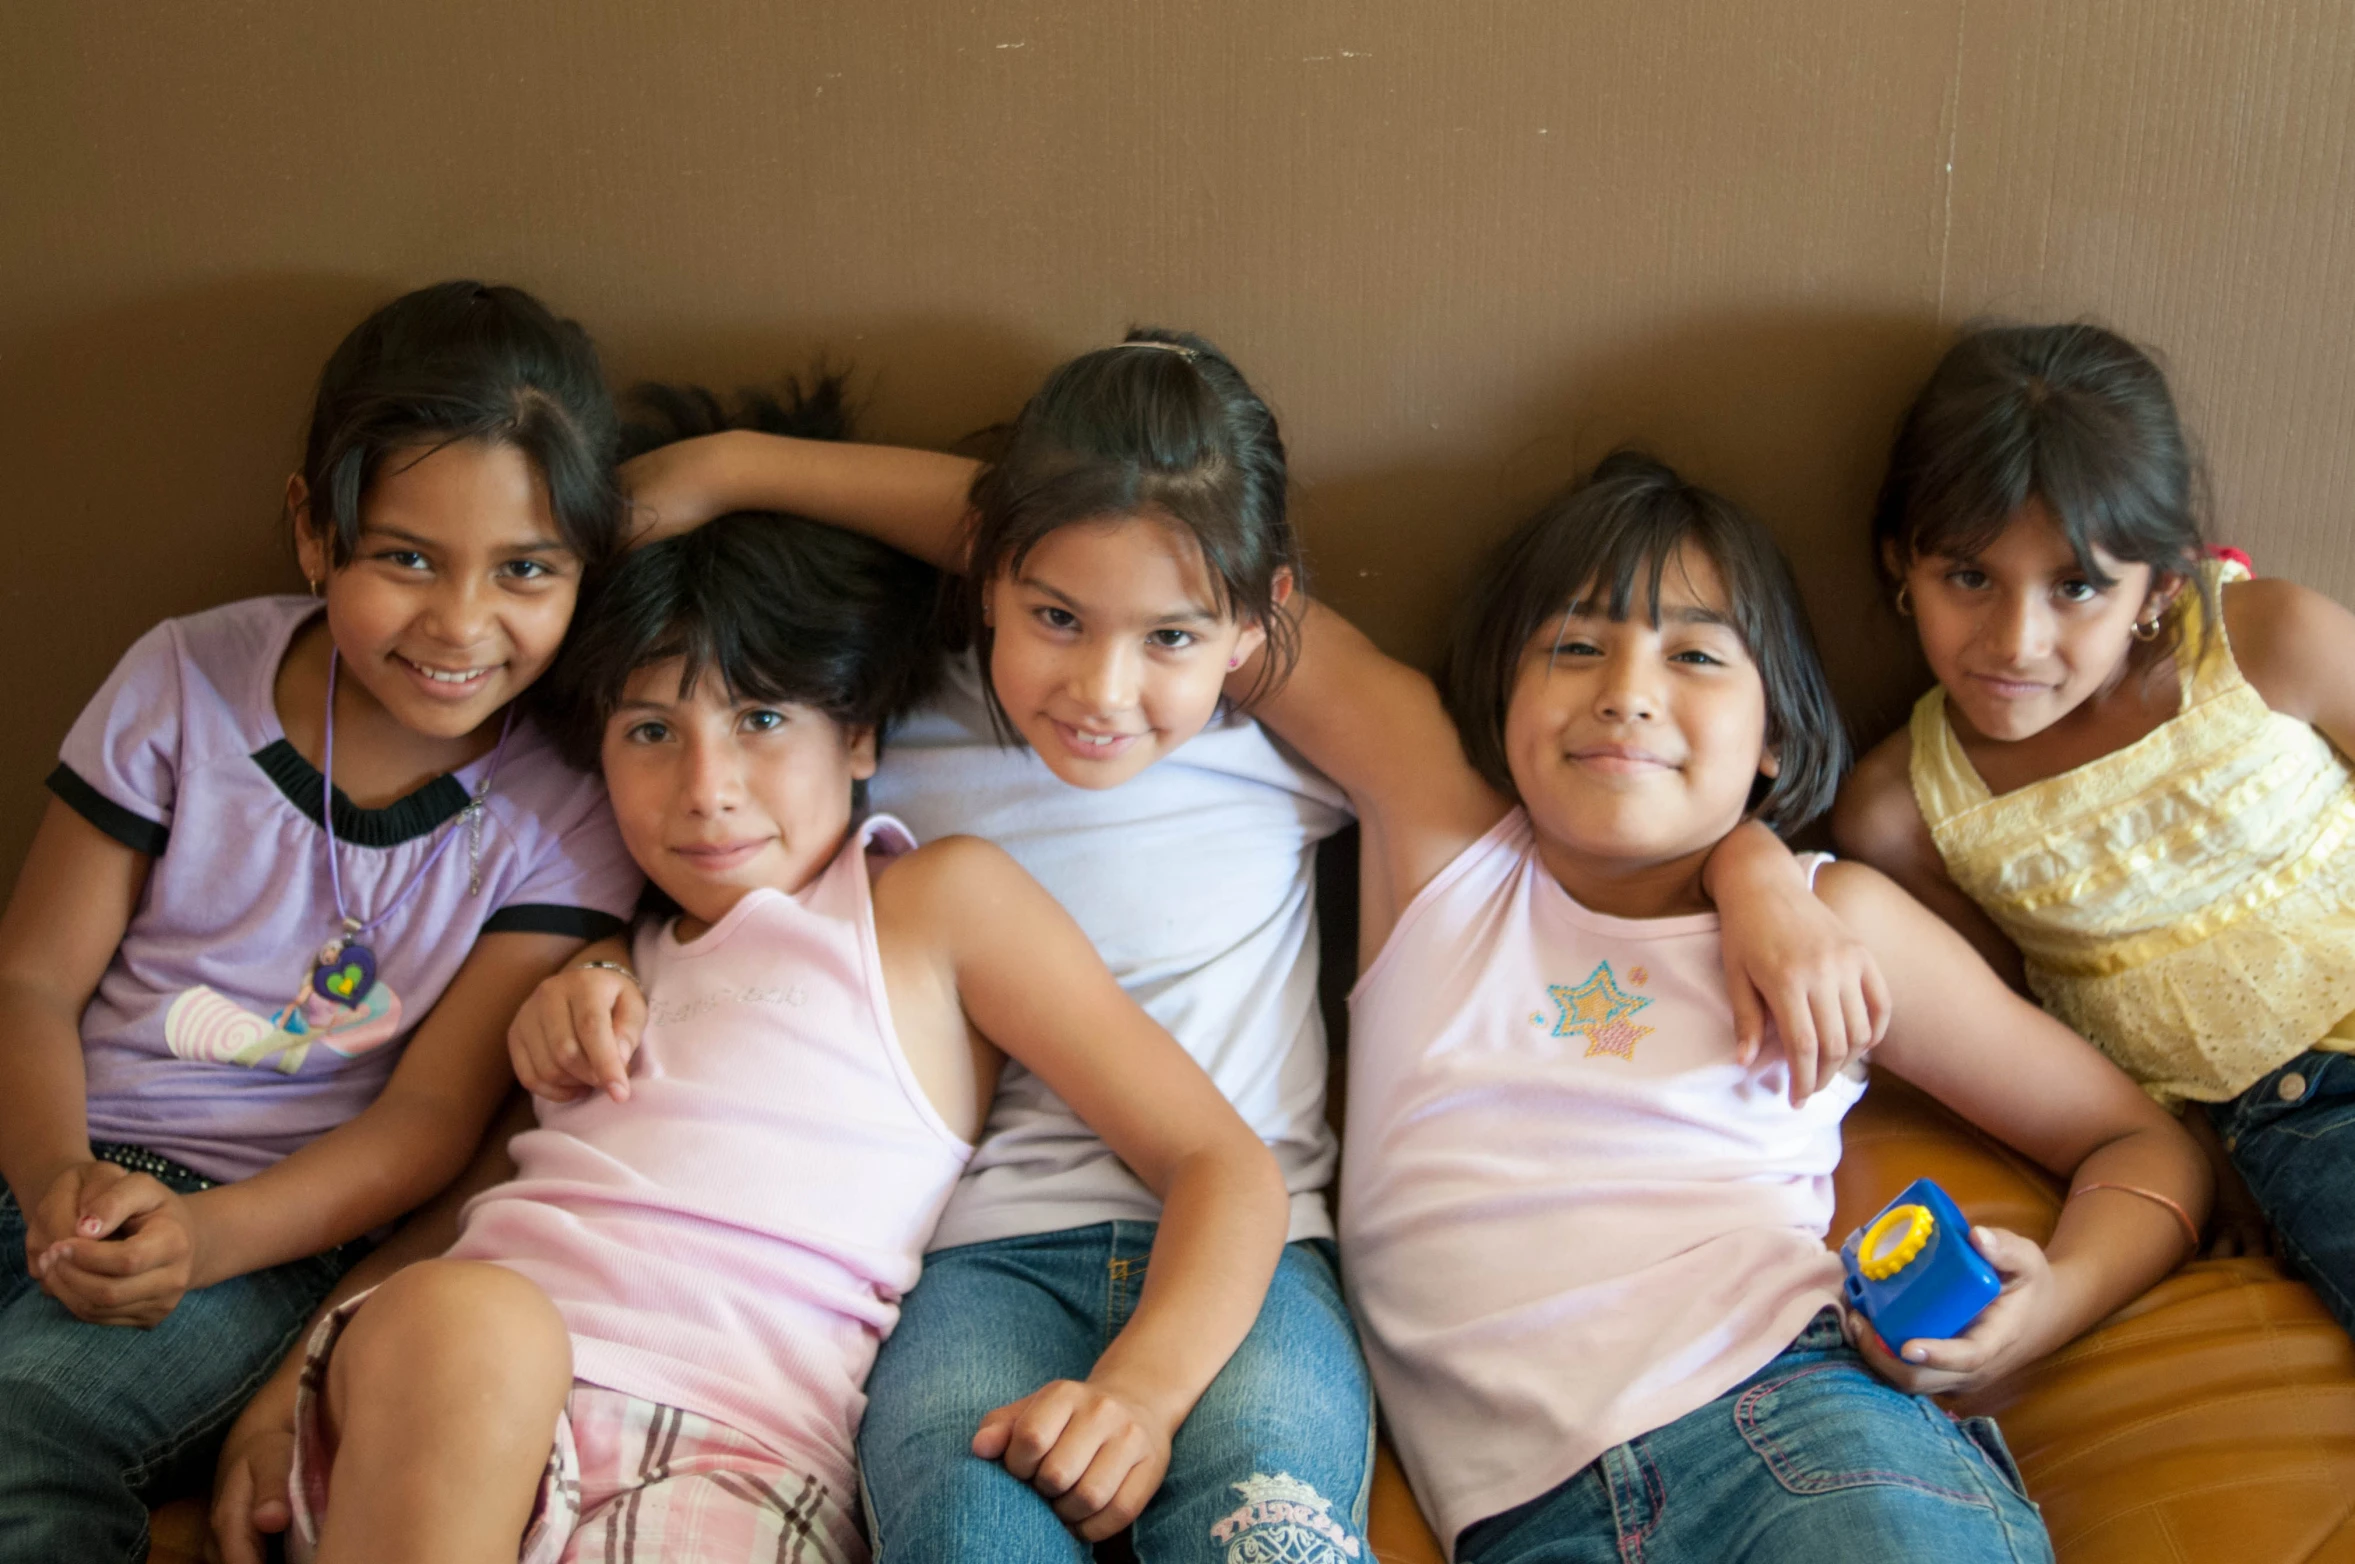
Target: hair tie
[[1179, 348]]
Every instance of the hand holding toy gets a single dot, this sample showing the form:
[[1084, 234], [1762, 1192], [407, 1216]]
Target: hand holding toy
[[1913, 1271]]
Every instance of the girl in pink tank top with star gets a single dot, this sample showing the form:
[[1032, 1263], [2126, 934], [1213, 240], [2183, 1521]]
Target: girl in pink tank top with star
[[689, 1276], [1583, 1228]]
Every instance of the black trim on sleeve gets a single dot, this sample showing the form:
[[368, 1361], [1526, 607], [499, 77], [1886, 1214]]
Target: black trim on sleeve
[[542, 918], [134, 831]]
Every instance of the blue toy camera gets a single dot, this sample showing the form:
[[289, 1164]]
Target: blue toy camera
[[1913, 1270]]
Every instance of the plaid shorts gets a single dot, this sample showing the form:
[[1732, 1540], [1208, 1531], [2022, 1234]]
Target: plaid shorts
[[628, 1481]]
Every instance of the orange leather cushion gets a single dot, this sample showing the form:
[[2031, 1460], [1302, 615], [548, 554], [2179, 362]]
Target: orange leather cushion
[[176, 1533], [2212, 1421]]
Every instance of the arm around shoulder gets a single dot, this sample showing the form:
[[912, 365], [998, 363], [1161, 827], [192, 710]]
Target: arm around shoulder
[[912, 499], [1378, 728]]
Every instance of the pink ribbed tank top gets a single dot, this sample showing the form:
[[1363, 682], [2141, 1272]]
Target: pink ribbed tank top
[[735, 1238], [1568, 1216]]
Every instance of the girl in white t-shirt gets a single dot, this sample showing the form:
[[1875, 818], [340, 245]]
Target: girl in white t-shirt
[[1584, 1233], [1126, 559]]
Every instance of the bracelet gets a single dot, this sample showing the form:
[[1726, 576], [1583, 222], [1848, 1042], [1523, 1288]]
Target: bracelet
[[2191, 1229], [608, 966]]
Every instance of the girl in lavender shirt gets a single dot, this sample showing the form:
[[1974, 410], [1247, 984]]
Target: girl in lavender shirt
[[253, 991]]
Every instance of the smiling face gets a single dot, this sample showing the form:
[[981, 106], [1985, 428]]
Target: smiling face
[[1635, 747], [1109, 649], [459, 591], [2019, 634], [717, 796]]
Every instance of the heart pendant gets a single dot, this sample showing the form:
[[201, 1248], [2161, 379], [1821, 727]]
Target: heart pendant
[[347, 975]]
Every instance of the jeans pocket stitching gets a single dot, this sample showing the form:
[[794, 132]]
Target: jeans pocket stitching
[[1780, 1462], [2328, 1125], [1998, 1453], [1654, 1488]]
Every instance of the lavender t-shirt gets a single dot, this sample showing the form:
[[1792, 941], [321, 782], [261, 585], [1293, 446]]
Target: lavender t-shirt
[[207, 1041]]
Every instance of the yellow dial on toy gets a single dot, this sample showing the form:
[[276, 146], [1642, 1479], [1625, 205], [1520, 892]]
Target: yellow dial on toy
[[1891, 1243]]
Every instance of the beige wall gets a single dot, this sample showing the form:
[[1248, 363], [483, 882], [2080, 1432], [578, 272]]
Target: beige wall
[[1463, 246]]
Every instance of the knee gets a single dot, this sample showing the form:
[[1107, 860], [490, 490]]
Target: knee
[[924, 1509], [454, 1323]]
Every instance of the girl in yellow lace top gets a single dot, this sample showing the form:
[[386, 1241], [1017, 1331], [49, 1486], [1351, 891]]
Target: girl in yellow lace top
[[2130, 787]]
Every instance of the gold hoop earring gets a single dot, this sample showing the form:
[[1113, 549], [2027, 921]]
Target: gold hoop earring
[[1904, 601], [316, 591], [2146, 631]]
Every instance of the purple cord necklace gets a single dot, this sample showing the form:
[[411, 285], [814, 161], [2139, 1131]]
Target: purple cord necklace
[[346, 969]]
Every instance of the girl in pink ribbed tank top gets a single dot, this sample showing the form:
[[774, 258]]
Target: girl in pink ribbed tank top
[[1583, 1230], [707, 1238]]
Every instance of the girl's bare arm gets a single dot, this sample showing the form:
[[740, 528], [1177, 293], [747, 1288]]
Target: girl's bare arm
[[2018, 1074], [1377, 728], [911, 499], [1030, 982], [73, 900], [1877, 821]]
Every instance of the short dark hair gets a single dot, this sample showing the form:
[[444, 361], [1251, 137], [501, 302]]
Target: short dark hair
[[466, 361], [1161, 424], [1624, 520], [777, 607], [2073, 415]]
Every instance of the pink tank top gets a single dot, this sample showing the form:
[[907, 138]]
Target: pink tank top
[[1568, 1216], [735, 1239]]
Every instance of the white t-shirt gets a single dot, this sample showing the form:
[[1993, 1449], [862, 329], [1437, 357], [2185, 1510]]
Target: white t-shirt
[[1196, 881]]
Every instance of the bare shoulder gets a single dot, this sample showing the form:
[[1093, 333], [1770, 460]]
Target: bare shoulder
[[1876, 817], [2291, 642], [943, 869]]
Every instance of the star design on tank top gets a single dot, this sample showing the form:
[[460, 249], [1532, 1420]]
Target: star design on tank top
[[1599, 1010]]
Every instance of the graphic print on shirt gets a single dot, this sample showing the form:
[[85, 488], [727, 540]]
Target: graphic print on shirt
[[358, 1011], [1598, 1010]]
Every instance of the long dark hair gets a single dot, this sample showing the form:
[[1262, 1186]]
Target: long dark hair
[[2072, 415], [466, 361], [1615, 529], [1162, 424]]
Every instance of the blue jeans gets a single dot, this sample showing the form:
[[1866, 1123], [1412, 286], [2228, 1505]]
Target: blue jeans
[[1815, 1458], [99, 1421], [2297, 1152], [1290, 1417]]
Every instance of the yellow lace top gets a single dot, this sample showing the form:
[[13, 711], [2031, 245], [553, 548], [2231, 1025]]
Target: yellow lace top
[[2187, 902]]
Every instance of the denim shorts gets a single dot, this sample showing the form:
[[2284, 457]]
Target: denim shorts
[[1813, 1458]]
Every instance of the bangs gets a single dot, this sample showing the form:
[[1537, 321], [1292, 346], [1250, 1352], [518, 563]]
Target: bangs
[[1606, 546], [2072, 415], [1960, 515], [706, 647]]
